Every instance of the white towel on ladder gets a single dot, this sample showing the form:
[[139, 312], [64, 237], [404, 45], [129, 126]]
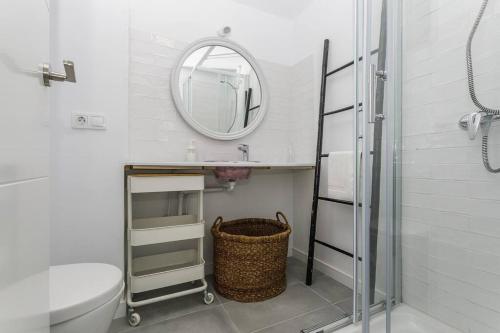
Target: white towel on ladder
[[340, 175]]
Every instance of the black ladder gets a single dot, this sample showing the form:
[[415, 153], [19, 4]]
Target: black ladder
[[319, 155]]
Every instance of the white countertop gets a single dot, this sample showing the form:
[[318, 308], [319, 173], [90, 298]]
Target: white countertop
[[212, 164]]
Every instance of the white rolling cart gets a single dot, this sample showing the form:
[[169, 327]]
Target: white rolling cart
[[170, 268]]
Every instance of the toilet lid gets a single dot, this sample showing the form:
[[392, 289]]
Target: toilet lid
[[80, 288]]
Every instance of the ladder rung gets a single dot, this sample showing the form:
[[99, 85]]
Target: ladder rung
[[350, 203], [347, 253], [349, 64], [350, 107], [346, 108], [345, 202], [338, 69]]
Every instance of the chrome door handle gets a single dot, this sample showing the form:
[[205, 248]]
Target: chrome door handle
[[372, 93], [68, 75]]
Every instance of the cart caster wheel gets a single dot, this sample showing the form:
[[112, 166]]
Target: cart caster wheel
[[134, 319], [208, 298]]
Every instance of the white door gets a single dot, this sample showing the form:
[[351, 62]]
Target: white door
[[24, 151]]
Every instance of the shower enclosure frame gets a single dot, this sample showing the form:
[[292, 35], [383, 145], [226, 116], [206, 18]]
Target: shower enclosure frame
[[389, 113], [381, 107]]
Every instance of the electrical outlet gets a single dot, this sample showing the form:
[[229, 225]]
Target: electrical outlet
[[79, 120]]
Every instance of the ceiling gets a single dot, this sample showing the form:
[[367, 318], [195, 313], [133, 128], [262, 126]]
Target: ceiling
[[289, 9]]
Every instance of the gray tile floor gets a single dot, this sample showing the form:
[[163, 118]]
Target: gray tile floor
[[298, 307]]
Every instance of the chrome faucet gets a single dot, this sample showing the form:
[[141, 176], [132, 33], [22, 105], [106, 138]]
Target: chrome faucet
[[245, 149]]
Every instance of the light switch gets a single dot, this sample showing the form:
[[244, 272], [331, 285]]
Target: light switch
[[97, 122]]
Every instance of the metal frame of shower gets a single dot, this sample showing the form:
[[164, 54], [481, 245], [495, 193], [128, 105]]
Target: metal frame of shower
[[391, 49]]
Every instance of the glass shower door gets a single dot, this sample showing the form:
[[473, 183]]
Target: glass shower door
[[378, 129]]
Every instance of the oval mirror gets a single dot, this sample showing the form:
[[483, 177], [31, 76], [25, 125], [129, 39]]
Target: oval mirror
[[219, 89]]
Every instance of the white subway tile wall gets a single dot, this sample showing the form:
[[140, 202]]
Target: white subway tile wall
[[304, 114], [158, 133], [451, 204]]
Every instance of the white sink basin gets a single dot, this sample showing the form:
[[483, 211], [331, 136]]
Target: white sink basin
[[237, 170]]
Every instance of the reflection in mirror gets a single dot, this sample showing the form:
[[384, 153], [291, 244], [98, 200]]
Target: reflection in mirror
[[219, 89]]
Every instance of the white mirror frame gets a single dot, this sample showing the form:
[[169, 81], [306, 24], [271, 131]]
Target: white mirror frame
[[176, 95]]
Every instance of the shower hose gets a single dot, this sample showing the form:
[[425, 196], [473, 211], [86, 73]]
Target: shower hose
[[472, 91]]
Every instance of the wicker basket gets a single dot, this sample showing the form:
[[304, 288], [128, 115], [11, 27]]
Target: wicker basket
[[250, 257]]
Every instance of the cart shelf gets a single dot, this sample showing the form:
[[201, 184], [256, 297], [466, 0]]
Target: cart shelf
[[147, 231], [166, 269]]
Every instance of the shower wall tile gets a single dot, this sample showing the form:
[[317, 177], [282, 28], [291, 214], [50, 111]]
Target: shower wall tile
[[451, 204]]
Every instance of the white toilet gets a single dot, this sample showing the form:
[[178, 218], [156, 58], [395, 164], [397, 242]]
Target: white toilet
[[84, 297]]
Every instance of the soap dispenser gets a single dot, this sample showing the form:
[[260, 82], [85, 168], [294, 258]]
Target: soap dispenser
[[191, 152]]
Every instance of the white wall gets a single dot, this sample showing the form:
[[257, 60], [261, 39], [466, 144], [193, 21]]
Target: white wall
[[87, 166], [267, 36], [451, 204]]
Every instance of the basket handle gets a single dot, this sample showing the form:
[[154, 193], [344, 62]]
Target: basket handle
[[283, 217], [217, 223]]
